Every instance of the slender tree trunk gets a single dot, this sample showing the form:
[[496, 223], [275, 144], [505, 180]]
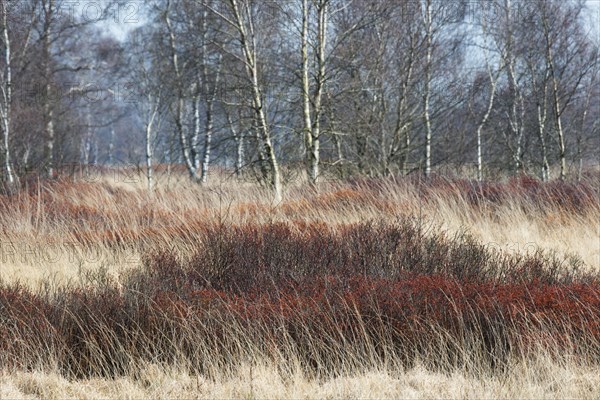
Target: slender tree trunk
[[516, 122], [202, 81], [323, 15], [207, 142], [517, 108], [555, 97], [426, 111], [558, 120], [209, 119], [579, 159], [401, 139], [239, 161], [95, 151], [562, 155], [239, 141], [483, 121], [86, 144], [249, 50], [307, 132], [338, 148], [149, 151], [542, 114], [335, 135], [5, 107], [180, 106], [111, 146], [49, 113], [194, 148], [544, 150], [262, 157], [312, 124], [48, 107], [584, 114]]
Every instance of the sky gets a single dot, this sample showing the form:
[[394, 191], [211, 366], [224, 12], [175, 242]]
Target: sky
[[123, 18], [130, 15], [593, 18]]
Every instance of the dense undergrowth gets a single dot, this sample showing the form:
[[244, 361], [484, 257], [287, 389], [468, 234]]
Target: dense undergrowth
[[305, 295]]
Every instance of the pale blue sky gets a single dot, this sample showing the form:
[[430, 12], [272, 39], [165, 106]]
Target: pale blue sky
[[131, 15]]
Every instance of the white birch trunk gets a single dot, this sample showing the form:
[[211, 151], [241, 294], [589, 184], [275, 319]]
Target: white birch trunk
[[179, 108], [312, 123], [86, 143], [557, 118], [48, 108], [542, 114], [197, 126], [555, 98], [517, 113], [111, 145], [149, 148], [249, 50], [307, 132], [485, 117], [239, 141], [401, 137], [426, 114], [210, 101], [5, 107], [49, 113], [323, 16]]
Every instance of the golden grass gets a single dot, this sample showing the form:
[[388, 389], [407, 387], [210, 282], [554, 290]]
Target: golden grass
[[59, 229], [535, 379], [53, 234]]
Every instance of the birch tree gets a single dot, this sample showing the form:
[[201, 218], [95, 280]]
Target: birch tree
[[539, 77], [428, 25], [207, 92], [407, 62], [6, 95], [55, 26], [178, 81], [516, 113], [146, 71], [493, 75], [151, 123], [312, 100], [241, 17], [568, 59]]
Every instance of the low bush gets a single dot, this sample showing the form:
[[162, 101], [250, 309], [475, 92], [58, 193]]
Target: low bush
[[329, 300]]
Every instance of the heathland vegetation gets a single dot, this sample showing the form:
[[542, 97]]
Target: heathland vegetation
[[373, 287], [300, 198]]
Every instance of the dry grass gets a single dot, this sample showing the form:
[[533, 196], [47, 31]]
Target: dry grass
[[58, 229], [527, 380], [95, 233]]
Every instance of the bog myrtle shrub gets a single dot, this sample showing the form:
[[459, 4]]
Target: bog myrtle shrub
[[326, 297]]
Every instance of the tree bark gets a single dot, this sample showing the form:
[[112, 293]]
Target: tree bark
[[312, 119], [555, 99], [542, 113], [149, 149], [426, 94], [517, 113], [48, 107], [307, 132], [248, 47], [5, 107], [179, 108], [485, 117]]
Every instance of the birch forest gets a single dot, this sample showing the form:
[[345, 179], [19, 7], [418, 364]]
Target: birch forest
[[311, 89]]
